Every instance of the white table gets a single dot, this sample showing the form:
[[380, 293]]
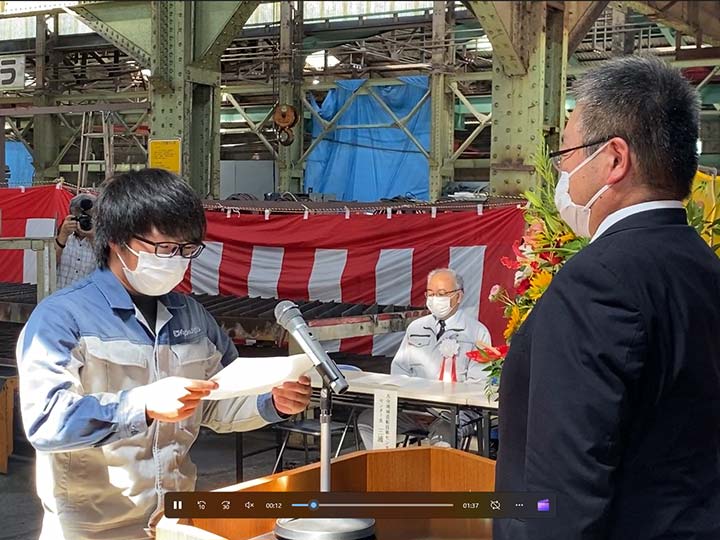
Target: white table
[[414, 391]]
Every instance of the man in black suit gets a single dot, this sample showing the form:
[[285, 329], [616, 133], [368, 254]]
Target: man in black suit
[[610, 394]]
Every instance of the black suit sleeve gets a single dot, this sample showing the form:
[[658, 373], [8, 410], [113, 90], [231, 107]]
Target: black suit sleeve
[[587, 348]]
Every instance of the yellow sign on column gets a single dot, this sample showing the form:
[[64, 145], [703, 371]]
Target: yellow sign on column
[[165, 154]]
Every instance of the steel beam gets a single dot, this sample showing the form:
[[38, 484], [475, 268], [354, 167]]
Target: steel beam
[[20, 136], [71, 109], [698, 19], [484, 121], [330, 126], [217, 23], [527, 105], [581, 17], [555, 85], [45, 127], [254, 128], [442, 102], [290, 78], [124, 24], [503, 23], [182, 108], [397, 122]]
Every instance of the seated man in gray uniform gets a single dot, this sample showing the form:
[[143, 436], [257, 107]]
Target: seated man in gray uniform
[[435, 347]]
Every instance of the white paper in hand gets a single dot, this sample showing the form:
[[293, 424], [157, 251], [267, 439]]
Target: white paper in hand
[[255, 376]]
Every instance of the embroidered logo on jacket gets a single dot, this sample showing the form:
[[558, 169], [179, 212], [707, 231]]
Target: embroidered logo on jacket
[[184, 332]]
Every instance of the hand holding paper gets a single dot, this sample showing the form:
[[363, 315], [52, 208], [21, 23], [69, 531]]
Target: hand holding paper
[[255, 376], [292, 397]]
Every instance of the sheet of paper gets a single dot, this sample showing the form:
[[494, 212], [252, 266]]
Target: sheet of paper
[[379, 379], [255, 376], [385, 419]]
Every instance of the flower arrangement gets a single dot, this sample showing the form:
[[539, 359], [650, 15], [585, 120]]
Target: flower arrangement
[[703, 207], [548, 243]]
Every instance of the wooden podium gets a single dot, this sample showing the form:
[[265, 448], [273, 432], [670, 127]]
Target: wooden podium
[[402, 469]]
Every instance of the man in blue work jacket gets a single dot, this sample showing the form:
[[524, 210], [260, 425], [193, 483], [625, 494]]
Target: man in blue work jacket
[[113, 370]]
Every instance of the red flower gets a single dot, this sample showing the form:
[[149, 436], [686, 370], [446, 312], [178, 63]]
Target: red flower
[[535, 266], [487, 354], [516, 249], [550, 257], [523, 286], [477, 356], [509, 263]]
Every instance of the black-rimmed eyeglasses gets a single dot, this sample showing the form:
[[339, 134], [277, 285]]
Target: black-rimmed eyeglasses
[[186, 250], [557, 156]]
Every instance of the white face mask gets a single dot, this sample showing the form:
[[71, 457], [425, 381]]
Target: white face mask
[[439, 306], [155, 276], [575, 215]]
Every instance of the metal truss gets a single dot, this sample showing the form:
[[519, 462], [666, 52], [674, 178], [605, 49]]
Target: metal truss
[[66, 73]]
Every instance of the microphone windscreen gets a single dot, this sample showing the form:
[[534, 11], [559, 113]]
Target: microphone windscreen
[[285, 311]]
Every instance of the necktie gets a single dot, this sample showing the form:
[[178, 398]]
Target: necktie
[[442, 329]]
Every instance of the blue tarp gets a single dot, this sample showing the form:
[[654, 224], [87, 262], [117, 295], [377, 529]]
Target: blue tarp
[[368, 164], [19, 160]]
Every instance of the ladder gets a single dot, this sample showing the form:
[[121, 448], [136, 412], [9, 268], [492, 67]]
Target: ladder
[[89, 132]]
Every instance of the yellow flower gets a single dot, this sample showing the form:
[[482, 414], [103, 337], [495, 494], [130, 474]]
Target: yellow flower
[[565, 238], [513, 322], [538, 283]]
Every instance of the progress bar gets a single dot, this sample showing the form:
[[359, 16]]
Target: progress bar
[[384, 505], [390, 505]]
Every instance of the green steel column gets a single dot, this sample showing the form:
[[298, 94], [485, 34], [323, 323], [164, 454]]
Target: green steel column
[[184, 97], [441, 103], [556, 60], [215, 25], [46, 144], [529, 54], [170, 92], [290, 92], [182, 43]]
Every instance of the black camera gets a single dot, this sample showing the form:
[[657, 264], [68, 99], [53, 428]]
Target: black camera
[[85, 219]]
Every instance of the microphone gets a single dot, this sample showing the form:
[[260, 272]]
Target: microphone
[[289, 317]]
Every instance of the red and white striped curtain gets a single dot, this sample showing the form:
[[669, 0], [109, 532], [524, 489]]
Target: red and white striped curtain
[[364, 259], [28, 212]]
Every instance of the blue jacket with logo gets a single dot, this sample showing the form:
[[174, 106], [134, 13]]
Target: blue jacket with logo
[[85, 359]]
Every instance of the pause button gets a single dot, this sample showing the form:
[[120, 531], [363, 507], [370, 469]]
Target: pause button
[[177, 505]]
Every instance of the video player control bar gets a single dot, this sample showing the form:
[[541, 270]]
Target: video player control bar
[[395, 505]]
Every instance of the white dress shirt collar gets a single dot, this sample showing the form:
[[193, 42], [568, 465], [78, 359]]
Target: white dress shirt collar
[[628, 211]]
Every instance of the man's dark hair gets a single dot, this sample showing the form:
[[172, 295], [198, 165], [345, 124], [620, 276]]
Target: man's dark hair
[[133, 203], [654, 109]]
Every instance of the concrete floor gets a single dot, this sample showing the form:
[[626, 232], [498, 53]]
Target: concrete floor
[[214, 455]]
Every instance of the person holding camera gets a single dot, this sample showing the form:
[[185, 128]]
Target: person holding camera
[[74, 242]]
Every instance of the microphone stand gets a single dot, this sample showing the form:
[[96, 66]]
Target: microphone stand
[[325, 528], [325, 437], [289, 317]]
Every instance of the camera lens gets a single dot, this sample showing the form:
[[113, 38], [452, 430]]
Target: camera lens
[[85, 222]]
